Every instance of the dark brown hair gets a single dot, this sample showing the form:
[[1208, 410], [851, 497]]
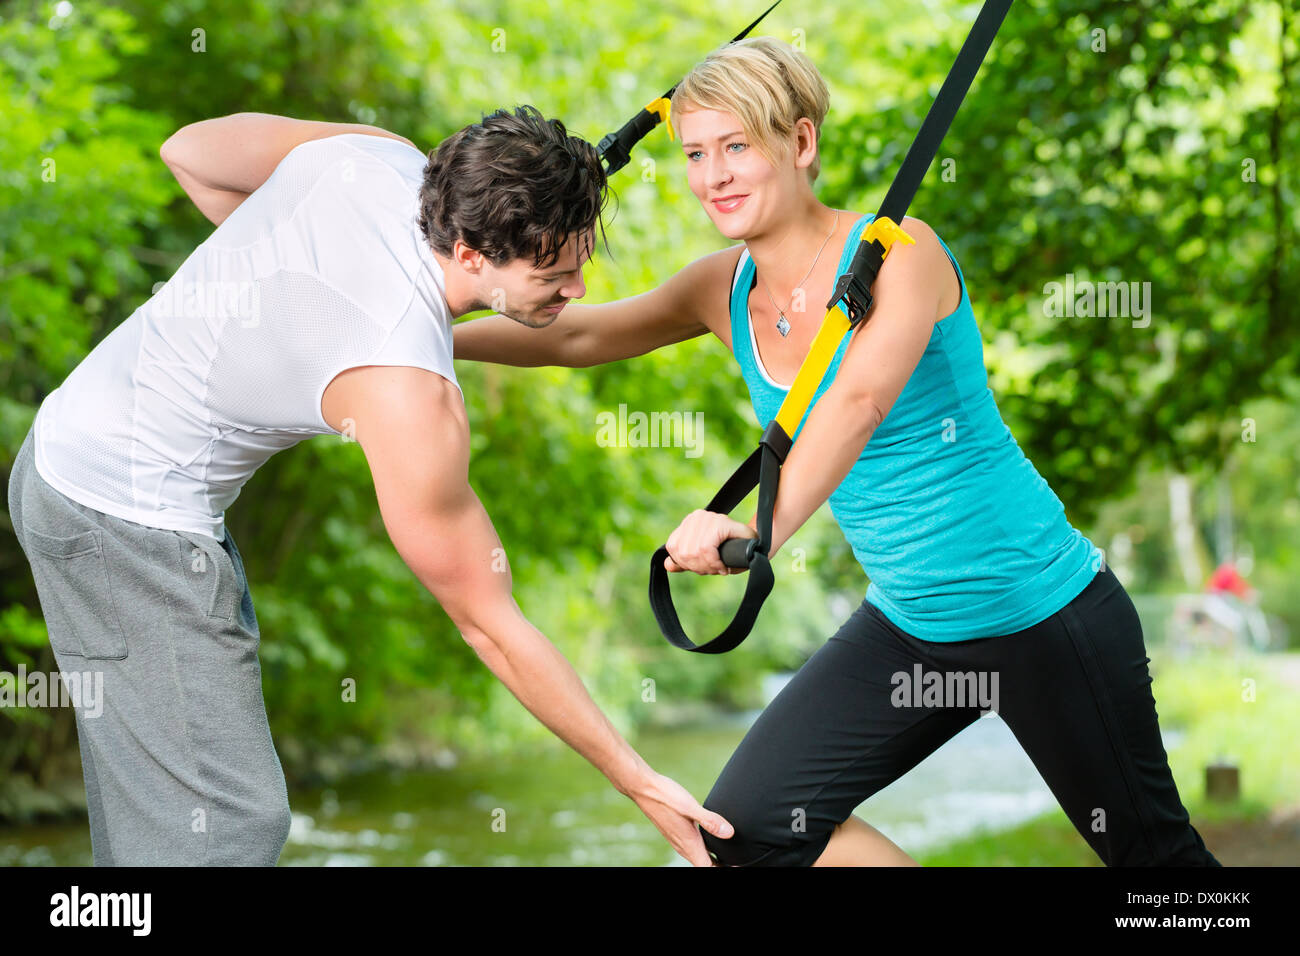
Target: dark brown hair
[[514, 185]]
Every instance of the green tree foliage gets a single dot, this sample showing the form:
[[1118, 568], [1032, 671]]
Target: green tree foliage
[[1131, 142], [1118, 164]]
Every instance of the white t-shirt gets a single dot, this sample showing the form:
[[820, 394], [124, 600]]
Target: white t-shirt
[[322, 269]]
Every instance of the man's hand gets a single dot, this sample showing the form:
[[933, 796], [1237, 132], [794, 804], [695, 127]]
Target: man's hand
[[694, 545], [414, 430], [674, 811]]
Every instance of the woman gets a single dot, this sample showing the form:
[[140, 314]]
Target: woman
[[974, 571]]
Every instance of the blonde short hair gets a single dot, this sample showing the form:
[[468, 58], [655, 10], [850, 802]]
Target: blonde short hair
[[767, 84]]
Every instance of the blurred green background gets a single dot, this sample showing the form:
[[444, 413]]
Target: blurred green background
[[1118, 141]]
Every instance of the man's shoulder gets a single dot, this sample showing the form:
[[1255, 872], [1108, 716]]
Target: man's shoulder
[[382, 149], [346, 215], [397, 390], [350, 174]]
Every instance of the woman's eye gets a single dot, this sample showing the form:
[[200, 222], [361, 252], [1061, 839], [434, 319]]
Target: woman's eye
[[691, 155]]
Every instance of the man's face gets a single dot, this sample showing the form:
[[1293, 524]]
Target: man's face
[[535, 296]]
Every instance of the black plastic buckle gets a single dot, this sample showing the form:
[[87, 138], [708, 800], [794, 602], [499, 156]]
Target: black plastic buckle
[[613, 152], [854, 287], [856, 296]]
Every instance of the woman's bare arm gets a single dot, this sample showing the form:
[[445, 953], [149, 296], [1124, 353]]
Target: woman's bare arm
[[587, 335], [883, 353], [220, 162]]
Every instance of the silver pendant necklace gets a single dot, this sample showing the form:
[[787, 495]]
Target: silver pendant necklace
[[782, 324]]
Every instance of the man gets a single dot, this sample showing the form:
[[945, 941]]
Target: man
[[321, 304]]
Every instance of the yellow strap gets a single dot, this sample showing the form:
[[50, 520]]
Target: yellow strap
[[660, 106], [824, 346], [813, 370]]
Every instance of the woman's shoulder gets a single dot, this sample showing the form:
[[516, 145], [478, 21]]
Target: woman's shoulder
[[716, 272], [941, 264], [726, 263], [912, 225], [715, 275]]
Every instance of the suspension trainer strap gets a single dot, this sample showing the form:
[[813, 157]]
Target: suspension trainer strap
[[854, 290], [615, 148], [761, 468]]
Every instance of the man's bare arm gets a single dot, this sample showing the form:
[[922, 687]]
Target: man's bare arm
[[220, 162], [412, 426]]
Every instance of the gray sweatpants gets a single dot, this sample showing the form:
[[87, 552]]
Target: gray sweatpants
[[179, 765]]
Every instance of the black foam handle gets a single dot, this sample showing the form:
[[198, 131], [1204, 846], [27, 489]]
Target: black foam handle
[[735, 552]]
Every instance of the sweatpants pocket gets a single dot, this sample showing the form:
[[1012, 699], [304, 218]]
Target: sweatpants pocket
[[205, 563], [76, 594]]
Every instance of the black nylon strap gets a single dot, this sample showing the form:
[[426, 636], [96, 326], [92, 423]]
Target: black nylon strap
[[855, 285], [762, 467], [615, 148], [935, 125]]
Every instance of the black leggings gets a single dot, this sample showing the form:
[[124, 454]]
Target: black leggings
[[1074, 689]]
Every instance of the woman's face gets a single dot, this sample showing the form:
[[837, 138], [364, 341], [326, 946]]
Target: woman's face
[[722, 164]]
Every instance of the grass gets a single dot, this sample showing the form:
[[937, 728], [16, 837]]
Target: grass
[[1049, 840]]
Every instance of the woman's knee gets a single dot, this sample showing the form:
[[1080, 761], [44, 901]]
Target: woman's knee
[[765, 834], [792, 850]]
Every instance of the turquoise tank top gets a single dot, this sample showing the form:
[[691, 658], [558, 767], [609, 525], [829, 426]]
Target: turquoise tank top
[[960, 536]]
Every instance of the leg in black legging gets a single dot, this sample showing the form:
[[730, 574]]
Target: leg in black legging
[[828, 741], [1077, 694]]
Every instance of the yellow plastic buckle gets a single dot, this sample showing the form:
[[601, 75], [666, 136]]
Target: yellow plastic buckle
[[661, 106], [887, 232]]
